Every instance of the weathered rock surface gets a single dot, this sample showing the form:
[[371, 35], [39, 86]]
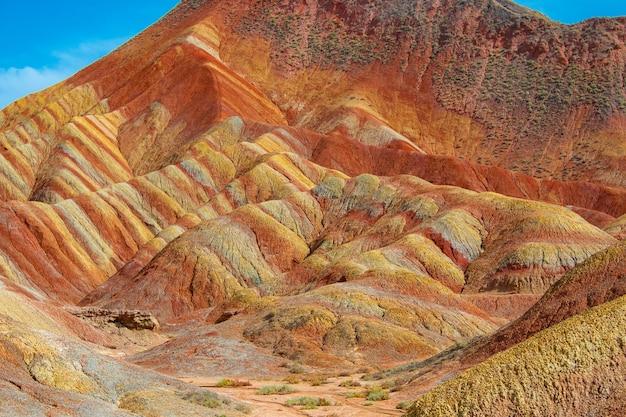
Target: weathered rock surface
[[324, 183], [46, 370], [595, 282], [131, 319], [575, 368], [487, 81]]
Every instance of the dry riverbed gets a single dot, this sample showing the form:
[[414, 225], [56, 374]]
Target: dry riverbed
[[342, 398]]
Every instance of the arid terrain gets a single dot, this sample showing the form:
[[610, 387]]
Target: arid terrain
[[322, 208]]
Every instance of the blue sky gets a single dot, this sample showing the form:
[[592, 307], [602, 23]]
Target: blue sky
[[574, 11], [47, 41]]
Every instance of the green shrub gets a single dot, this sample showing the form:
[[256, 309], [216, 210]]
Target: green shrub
[[350, 383], [356, 394], [275, 390], [232, 383], [317, 380], [308, 403], [377, 394], [204, 399], [404, 405]]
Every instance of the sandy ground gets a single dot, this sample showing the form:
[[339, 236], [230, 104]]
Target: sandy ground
[[274, 405]]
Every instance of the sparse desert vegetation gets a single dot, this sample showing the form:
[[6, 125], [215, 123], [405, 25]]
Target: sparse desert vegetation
[[275, 390], [324, 208], [308, 403], [232, 383]]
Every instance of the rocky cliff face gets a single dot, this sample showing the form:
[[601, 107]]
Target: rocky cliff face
[[329, 183]]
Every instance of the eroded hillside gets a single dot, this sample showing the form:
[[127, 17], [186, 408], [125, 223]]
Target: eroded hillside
[[266, 189]]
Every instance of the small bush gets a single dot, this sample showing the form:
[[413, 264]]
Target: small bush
[[350, 384], [204, 399], [308, 403], [232, 383], [275, 390], [296, 368], [396, 387], [242, 408], [404, 405], [386, 385], [291, 379], [370, 394], [317, 380], [377, 394]]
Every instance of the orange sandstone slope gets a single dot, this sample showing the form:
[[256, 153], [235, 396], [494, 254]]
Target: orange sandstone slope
[[114, 155], [598, 280], [576, 322], [332, 183], [483, 80], [208, 60]]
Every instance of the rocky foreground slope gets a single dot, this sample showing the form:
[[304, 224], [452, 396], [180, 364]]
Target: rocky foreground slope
[[596, 281], [326, 186], [572, 368]]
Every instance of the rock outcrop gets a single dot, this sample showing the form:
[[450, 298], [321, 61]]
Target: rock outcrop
[[130, 319]]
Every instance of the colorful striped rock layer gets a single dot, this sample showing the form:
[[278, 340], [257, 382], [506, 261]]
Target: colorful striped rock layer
[[432, 190]]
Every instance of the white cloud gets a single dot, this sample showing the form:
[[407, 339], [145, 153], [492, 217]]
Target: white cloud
[[18, 82], [86, 52]]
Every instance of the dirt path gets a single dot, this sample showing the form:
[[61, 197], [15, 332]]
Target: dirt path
[[274, 405]]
